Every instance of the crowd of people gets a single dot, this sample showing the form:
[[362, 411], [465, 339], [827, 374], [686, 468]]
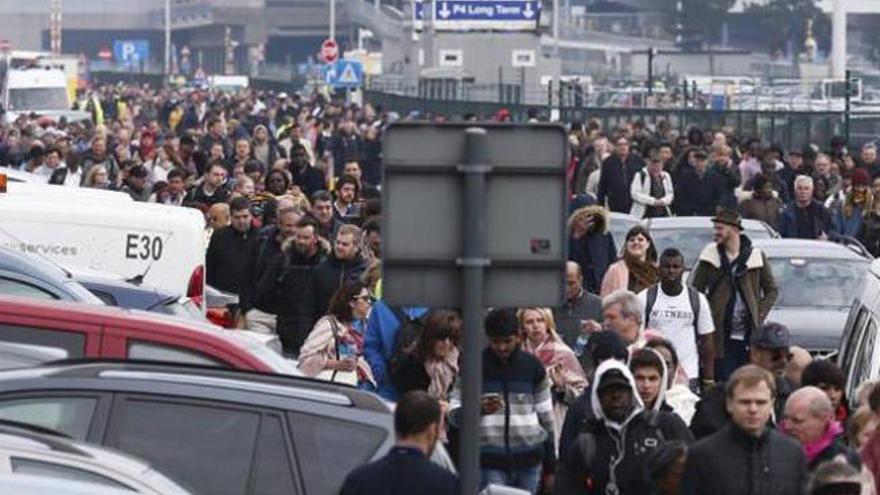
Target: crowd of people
[[637, 383]]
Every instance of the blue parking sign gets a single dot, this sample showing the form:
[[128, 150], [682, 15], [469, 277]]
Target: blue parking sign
[[131, 51]]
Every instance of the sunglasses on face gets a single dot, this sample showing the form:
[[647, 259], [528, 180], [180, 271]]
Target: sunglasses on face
[[363, 297]]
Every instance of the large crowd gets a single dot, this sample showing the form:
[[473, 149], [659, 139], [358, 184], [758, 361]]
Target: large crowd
[[637, 383]]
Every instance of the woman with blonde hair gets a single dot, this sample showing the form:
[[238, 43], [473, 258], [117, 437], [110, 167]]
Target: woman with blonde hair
[[566, 375], [97, 178]]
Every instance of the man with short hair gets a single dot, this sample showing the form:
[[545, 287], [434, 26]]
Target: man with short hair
[[225, 261], [406, 470], [738, 282], [651, 378], [580, 313], [345, 264], [136, 183], [51, 164], [623, 314], [212, 190], [347, 192], [806, 217], [302, 173], [652, 192], [260, 314], [97, 155], [809, 419], [174, 192], [616, 176], [290, 279], [517, 427], [322, 211], [746, 456], [682, 315], [769, 350], [613, 446], [869, 159]]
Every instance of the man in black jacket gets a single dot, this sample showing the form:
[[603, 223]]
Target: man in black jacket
[[770, 351], [292, 277], [406, 470], [346, 264], [225, 261], [746, 457], [610, 452], [260, 314], [616, 176]]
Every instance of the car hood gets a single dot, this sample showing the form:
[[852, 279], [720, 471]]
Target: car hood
[[813, 329]]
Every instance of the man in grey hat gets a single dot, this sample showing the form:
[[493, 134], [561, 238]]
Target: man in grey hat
[[770, 349], [738, 281]]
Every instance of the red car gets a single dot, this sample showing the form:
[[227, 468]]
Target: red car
[[107, 332]]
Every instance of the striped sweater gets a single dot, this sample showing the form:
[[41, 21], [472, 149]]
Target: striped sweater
[[520, 435]]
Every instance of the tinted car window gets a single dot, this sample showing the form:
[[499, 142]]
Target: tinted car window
[[804, 282], [272, 468], [17, 288], [328, 449], [866, 351], [206, 447], [69, 415], [691, 241], [72, 342], [138, 349], [52, 470]]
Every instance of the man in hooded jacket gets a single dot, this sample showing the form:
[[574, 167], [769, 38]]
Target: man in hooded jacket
[[611, 450]]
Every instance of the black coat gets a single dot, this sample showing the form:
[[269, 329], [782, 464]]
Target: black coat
[[594, 253], [225, 261], [404, 471], [331, 274], [701, 196], [292, 276], [711, 414], [266, 250], [869, 233], [615, 180], [309, 179], [642, 435], [731, 462]]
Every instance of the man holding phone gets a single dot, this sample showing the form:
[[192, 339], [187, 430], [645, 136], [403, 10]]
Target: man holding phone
[[517, 429]]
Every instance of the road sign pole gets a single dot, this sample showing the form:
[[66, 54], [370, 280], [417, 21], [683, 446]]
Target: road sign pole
[[333, 20], [472, 265]]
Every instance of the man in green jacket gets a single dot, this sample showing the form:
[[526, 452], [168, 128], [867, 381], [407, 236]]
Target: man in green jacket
[[738, 282]]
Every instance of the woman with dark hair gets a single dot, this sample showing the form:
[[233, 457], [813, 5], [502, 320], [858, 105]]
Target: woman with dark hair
[[277, 182], [636, 270], [334, 350], [433, 364]]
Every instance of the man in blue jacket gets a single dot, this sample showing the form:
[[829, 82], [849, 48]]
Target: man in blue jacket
[[380, 340]]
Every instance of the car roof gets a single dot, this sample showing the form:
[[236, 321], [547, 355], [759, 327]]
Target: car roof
[[125, 318], [31, 265], [806, 249], [181, 379], [699, 223]]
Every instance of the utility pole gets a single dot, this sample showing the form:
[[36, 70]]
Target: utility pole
[[429, 33], [333, 20], [55, 20], [167, 37], [651, 53], [838, 39]]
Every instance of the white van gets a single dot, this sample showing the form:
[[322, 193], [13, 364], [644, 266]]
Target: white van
[[40, 90], [157, 245], [859, 356]]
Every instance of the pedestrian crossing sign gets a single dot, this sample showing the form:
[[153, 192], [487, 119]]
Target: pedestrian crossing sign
[[344, 74]]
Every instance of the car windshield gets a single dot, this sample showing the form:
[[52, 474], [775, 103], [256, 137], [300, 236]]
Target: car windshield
[[38, 99], [690, 241], [814, 282]]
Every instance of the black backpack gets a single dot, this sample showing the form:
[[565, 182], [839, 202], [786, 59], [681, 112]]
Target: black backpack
[[693, 298], [408, 336]]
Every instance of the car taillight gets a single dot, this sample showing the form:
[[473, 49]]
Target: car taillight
[[196, 288], [221, 317]]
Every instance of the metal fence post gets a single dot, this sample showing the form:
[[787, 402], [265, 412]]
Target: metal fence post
[[472, 265], [847, 106]]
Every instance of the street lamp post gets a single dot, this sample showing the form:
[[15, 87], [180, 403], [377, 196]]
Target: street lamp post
[[167, 36]]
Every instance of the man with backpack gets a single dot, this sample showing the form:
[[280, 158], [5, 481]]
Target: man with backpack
[[613, 446], [390, 333], [652, 191], [682, 315]]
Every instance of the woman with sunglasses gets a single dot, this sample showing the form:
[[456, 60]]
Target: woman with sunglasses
[[334, 349], [433, 364]]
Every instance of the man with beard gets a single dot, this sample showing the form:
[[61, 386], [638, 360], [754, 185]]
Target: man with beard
[[345, 209], [345, 264]]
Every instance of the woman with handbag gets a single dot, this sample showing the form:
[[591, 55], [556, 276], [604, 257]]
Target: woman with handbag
[[334, 349]]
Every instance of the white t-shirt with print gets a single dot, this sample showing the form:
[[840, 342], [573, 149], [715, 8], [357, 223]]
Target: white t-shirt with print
[[673, 317]]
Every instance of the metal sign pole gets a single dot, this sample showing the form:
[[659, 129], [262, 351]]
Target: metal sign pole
[[472, 264]]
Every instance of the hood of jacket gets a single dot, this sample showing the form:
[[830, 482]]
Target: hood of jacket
[[605, 367], [602, 222], [664, 383]]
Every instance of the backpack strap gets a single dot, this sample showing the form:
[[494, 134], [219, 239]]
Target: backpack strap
[[694, 298], [649, 302]]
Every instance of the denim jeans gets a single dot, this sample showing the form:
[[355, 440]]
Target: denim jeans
[[528, 479]]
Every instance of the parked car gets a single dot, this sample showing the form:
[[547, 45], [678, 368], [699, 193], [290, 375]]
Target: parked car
[[101, 331], [125, 294], [27, 275], [817, 283], [28, 451], [13, 355], [26, 484], [221, 432], [691, 234], [859, 354]]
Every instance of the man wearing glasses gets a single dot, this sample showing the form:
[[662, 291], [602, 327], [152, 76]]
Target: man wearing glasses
[[769, 349]]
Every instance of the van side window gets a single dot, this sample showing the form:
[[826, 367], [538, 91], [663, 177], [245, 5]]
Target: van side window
[[68, 415], [866, 351], [71, 341], [853, 336], [18, 288]]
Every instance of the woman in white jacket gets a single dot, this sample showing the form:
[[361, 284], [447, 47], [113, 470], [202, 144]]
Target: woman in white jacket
[[651, 191]]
